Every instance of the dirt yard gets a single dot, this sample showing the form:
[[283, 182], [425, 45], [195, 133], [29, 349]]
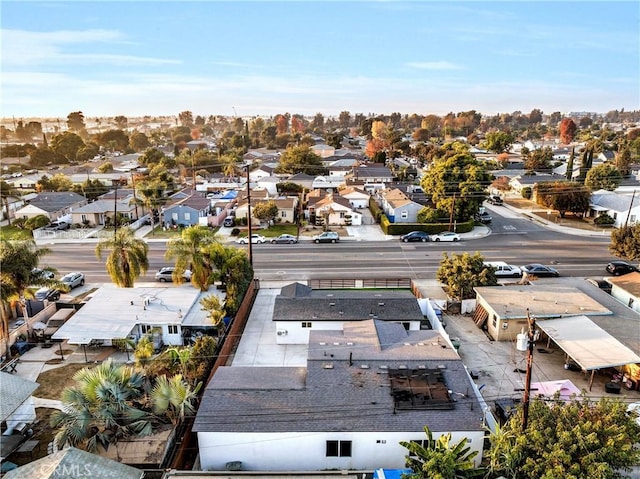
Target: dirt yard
[[53, 381]]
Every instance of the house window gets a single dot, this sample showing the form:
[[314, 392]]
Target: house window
[[338, 448], [306, 324], [174, 216], [342, 214], [187, 216], [404, 215], [145, 328], [631, 302], [632, 219], [283, 214], [494, 321], [173, 329], [84, 218]]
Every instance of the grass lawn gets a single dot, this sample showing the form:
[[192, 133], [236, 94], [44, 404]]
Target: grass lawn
[[159, 233], [15, 234]]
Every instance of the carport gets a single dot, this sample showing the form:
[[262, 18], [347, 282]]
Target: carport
[[590, 346]]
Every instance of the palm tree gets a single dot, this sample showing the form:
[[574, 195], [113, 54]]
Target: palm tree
[[189, 252], [7, 191], [19, 279], [99, 409], [152, 197], [438, 459], [174, 398], [128, 258]]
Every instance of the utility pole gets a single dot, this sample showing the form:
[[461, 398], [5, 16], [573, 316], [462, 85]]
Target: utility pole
[[249, 215], [453, 204], [135, 199], [626, 222], [115, 208], [531, 336]]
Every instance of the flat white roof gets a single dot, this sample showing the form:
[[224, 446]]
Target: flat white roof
[[113, 312], [587, 344]]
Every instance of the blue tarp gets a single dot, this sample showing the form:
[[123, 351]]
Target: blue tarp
[[390, 473], [229, 195]]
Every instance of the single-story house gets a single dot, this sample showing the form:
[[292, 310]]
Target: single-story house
[[287, 208], [328, 183], [186, 208], [333, 209], [365, 388], [97, 212], [323, 150], [53, 205], [520, 182], [119, 313], [373, 173], [107, 179], [623, 208], [299, 309], [398, 207], [302, 179]]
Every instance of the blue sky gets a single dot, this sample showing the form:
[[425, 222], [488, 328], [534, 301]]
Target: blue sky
[[262, 58]]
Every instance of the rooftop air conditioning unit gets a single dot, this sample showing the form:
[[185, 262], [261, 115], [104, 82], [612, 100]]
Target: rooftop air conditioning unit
[[281, 332]]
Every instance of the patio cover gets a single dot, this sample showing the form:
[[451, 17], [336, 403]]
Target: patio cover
[[587, 344]]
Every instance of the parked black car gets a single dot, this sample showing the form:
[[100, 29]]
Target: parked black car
[[50, 294], [415, 236], [618, 268]]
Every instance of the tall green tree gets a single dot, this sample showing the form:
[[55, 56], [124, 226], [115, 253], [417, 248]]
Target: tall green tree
[[498, 141], [457, 181], [440, 459], [461, 273], [576, 439], [564, 196], [128, 257], [625, 242], [75, 121], [300, 159], [603, 177], [66, 146], [266, 211], [190, 252], [232, 268]]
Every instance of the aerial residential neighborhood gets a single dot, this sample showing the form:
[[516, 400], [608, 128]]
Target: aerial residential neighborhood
[[319, 240]]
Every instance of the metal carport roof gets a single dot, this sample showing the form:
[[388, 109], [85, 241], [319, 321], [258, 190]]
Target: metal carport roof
[[587, 344]]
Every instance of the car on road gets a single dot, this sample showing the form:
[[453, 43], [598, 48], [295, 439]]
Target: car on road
[[504, 270], [536, 269], [495, 200], [58, 225], [415, 236], [229, 221], [618, 268], [326, 237], [165, 275], [255, 238], [49, 294], [446, 236], [73, 280], [483, 217], [284, 239]]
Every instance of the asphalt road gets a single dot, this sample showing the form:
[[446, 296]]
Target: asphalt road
[[514, 240]]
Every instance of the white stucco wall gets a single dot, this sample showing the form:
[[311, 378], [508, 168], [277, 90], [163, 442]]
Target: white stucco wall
[[307, 450], [625, 298]]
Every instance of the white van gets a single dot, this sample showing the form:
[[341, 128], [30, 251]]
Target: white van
[[504, 270]]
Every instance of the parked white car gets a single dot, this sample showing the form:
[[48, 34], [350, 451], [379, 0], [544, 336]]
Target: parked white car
[[254, 239], [446, 236]]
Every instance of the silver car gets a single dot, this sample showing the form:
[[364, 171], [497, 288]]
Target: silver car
[[73, 280]]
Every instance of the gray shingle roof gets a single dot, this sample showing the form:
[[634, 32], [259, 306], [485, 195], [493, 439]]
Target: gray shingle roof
[[74, 463], [54, 201], [14, 390], [299, 303], [346, 387]]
